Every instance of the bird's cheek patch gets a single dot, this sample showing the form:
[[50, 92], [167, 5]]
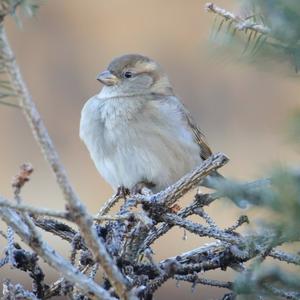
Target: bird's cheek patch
[[144, 80]]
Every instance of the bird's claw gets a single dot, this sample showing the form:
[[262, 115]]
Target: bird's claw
[[122, 192]]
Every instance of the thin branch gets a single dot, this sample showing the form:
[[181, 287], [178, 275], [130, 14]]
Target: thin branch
[[78, 211], [4, 261], [17, 291], [282, 293], [194, 279], [283, 256], [200, 200], [240, 23], [109, 204], [60, 229], [33, 210], [56, 214], [203, 214], [54, 289], [209, 257], [200, 229], [52, 257], [241, 220], [171, 194]]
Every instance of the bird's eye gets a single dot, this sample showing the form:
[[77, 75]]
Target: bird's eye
[[128, 74]]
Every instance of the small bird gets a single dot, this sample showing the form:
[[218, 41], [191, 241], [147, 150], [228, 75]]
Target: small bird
[[137, 130]]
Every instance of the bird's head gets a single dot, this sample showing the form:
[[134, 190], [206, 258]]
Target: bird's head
[[134, 74]]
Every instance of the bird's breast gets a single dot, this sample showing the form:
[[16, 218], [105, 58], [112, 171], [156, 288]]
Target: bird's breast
[[108, 123], [129, 144]]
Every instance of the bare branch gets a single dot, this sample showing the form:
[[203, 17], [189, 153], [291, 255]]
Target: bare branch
[[109, 204], [171, 194], [200, 200], [51, 257], [60, 229], [283, 256], [78, 211], [17, 291], [200, 229], [194, 279], [33, 210], [240, 23]]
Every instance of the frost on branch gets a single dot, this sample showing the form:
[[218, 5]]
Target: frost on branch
[[129, 235], [260, 32]]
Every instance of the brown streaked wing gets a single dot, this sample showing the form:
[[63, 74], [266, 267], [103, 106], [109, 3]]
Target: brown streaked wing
[[205, 151], [198, 136]]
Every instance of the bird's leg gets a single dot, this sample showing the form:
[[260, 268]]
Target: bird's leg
[[141, 186], [122, 192]]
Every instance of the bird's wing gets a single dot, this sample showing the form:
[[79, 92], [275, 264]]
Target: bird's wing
[[198, 135], [205, 151]]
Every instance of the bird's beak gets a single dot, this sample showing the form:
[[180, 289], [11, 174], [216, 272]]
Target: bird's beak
[[107, 78]]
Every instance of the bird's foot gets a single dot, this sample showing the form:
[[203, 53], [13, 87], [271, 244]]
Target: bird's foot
[[142, 187], [122, 192]]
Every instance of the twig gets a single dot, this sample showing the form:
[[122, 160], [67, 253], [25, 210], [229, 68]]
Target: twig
[[108, 205], [54, 289], [154, 234], [209, 257], [283, 256], [196, 280], [17, 291], [114, 218], [171, 194], [51, 257], [4, 261], [78, 211], [94, 271], [282, 293], [241, 24], [203, 214], [200, 229], [241, 220], [56, 214], [57, 228], [200, 200], [10, 245], [33, 210]]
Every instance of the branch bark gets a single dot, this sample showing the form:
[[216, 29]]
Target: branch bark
[[51, 257]]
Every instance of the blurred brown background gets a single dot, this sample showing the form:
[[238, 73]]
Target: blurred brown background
[[242, 110]]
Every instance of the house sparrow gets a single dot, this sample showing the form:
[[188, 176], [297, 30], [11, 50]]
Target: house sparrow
[[136, 130]]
